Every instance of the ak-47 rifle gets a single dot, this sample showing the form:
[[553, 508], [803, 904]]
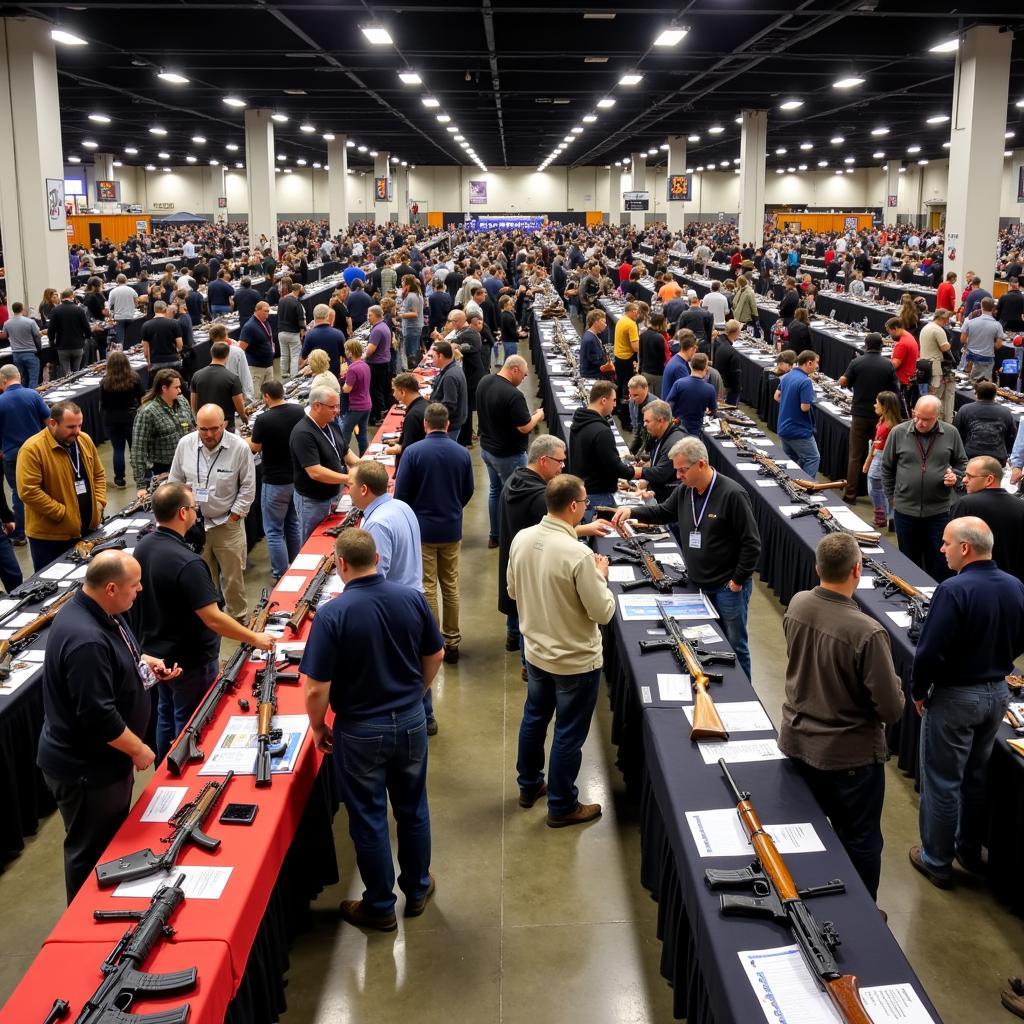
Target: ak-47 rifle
[[123, 983], [311, 595], [832, 525], [653, 572], [30, 593], [186, 746], [777, 898], [1010, 395], [18, 640], [268, 739], [70, 378], [918, 604], [352, 518], [767, 466], [185, 828], [140, 504], [837, 395], [707, 724], [84, 550]]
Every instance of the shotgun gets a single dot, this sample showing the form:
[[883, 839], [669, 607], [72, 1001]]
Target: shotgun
[[778, 899], [832, 525], [707, 724], [917, 603], [653, 574]]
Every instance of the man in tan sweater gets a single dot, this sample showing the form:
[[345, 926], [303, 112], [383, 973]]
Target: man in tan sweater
[[562, 593]]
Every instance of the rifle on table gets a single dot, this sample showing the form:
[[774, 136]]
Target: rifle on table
[[30, 593], [123, 982], [18, 640], [812, 488], [268, 739], [917, 603], [143, 504], [653, 572], [70, 378], [767, 466], [832, 525], [186, 746], [351, 519], [707, 724], [306, 607], [185, 828], [777, 898], [84, 550]]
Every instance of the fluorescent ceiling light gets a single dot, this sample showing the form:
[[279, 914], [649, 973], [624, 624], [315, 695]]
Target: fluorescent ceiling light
[[878, 156], [879, 131], [362, 149], [163, 156], [739, 120], [631, 79], [307, 128], [589, 118], [792, 170], [595, 60], [157, 130], [664, 147], [903, 170], [735, 159], [780, 151], [945, 145], [791, 104], [947, 47], [913, 149], [173, 77], [410, 78], [74, 159], [653, 152], [429, 101], [693, 138], [166, 170], [131, 150], [116, 163], [199, 139], [823, 163], [394, 159], [373, 152], [444, 118], [806, 146], [1019, 103], [281, 156], [239, 165], [89, 144], [287, 170], [941, 118], [849, 170], [670, 36], [716, 130], [837, 140], [233, 101], [60, 36], [150, 167], [215, 163], [376, 35], [459, 138], [279, 118], [349, 144], [316, 165], [99, 118], [328, 136], [724, 163], [923, 162], [190, 159], [847, 83], [405, 163], [779, 170], [301, 162], [453, 129], [848, 160], [1009, 135], [606, 103], [578, 130], [232, 147], [1006, 152]]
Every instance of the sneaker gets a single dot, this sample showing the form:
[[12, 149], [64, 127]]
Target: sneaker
[[511, 643], [527, 798], [120, 484], [355, 913], [451, 655], [19, 542], [580, 816], [431, 726], [413, 908], [939, 881]]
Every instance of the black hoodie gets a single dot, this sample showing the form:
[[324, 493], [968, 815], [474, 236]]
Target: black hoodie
[[593, 455], [522, 504]]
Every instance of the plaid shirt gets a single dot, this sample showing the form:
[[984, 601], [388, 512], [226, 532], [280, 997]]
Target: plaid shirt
[[158, 429]]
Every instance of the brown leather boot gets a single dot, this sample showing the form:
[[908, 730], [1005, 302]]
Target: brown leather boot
[[579, 816]]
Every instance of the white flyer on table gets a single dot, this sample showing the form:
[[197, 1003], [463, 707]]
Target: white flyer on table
[[674, 686], [738, 751], [304, 563], [291, 584], [705, 634], [718, 833], [740, 716], [644, 608], [201, 883], [236, 745], [165, 801], [56, 572], [621, 574]]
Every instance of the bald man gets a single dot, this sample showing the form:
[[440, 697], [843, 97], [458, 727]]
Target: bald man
[[221, 470], [972, 636]]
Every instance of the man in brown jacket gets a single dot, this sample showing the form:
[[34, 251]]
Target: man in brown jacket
[[841, 692], [62, 484]]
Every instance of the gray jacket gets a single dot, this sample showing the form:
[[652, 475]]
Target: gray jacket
[[911, 490]]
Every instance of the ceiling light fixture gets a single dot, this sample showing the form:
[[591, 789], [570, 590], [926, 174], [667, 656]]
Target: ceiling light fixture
[[410, 78], [823, 163], [74, 159], [163, 156], [150, 167], [199, 139], [913, 149], [157, 130], [837, 140], [453, 129], [443, 118], [429, 101], [190, 159], [670, 36], [937, 119], [349, 144], [878, 155], [99, 118], [173, 77], [361, 149], [215, 163], [847, 83], [233, 101], [947, 47], [301, 162], [232, 147], [791, 104], [693, 138], [328, 136], [577, 130], [89, 144], [589, 118], [631, 79], [307, 128], [780, 151], [279, 118], [131, 150], [848, 160], [716, 130], [377, 35], [879, 131], [116, 163], [805, 146], [606, 103], [58, 35]]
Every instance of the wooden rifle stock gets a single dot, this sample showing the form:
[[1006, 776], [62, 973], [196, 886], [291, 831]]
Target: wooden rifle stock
[[707, 723], [40, 622], [844, 992], [828, 485], [305, 607]]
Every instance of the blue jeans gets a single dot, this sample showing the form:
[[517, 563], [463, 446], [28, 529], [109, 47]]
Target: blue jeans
[[281, 526], [377, 759], [311, 514], [919, 538], [499, 469], [411, 341], [178, 700], [10, 570], [28, 366], [732, 611], [875, 486], [571, 699], [121, 331], [349, 422], [220, 311], [957, 735], [804, 452], [510, 348], [120, 434], [11, 476]]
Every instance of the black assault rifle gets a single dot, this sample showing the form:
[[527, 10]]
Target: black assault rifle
[[653, 573], [918, 604]]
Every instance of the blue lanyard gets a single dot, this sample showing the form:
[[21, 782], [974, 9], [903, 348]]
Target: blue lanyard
[[707, 497]]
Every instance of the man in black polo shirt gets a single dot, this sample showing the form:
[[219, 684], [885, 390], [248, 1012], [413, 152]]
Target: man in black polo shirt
[[246, 298], [178, 618], [162, 339], [96, 710], [371, 655], [406, 389], [866, 376], [217, 385], [505, 426], [291, 326], [271, 433]]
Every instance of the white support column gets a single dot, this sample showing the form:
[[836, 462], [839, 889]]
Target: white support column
[[639, 184], [980, 92], [260, 159], [753, 150], [892, 191], [35, 256], [613, 204], [676, 165], [337, 178], [382, 169]]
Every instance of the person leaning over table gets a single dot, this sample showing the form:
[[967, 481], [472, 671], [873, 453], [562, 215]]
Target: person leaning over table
[[720, 541], [95, 711], [921, 464], [61, 483], [659, 476], [372, 653], [163, 419], [220, 469], [959, 689], [842, 690], [593, 454], [561, 591]]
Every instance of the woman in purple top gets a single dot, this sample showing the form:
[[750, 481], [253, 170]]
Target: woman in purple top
[[357, 386]]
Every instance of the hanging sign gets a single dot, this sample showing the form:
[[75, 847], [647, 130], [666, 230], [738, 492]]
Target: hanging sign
[[56, 214], [680, 188], [477, 192]]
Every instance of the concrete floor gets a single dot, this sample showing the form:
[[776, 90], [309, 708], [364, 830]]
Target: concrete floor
[[531, 925]]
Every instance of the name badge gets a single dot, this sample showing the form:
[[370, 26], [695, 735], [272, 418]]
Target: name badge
[[694, 539], [147, 675], [80, 487], [202, 494]]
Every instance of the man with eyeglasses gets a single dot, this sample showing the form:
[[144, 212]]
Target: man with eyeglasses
[[319, 458], [720, 541], [1001, 511], [521, 504]]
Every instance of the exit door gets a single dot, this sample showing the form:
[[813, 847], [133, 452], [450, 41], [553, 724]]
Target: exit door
[[95, 231]]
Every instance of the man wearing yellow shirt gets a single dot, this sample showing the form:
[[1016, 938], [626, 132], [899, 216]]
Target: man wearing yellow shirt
[[627, 343]]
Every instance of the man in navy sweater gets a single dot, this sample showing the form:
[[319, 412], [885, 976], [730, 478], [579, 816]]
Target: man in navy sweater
[[435, 478], [256, 340], [973, 634]]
